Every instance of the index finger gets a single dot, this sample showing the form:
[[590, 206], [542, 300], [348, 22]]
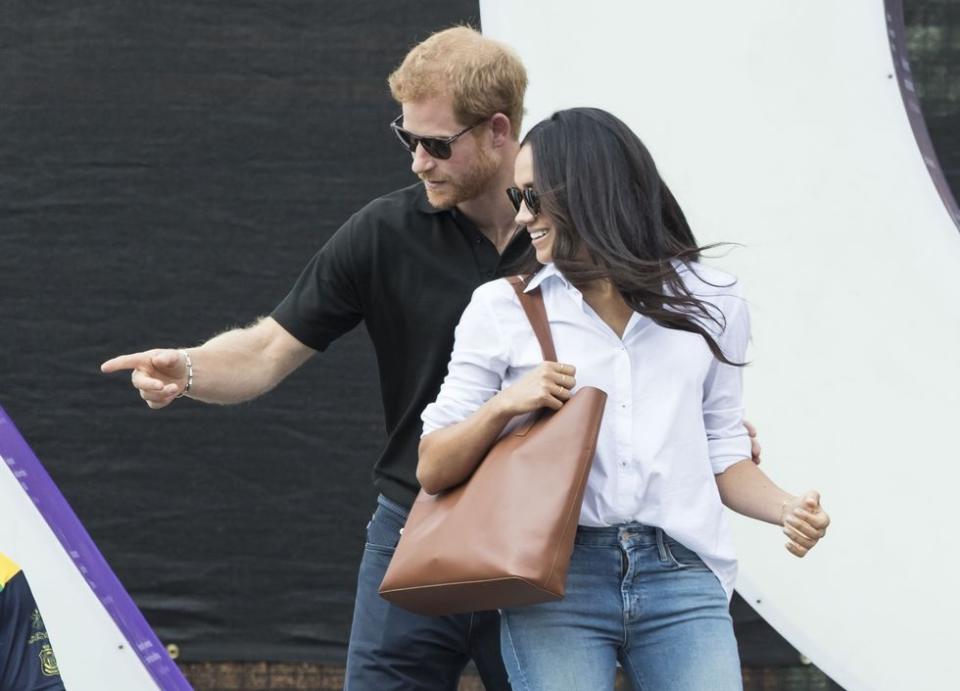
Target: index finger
[[751, 430], [125, 362]]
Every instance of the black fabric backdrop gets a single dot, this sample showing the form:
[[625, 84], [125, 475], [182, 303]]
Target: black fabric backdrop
[[166, 169]]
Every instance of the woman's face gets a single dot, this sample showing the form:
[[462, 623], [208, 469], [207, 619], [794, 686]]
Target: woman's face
[[539, 225]]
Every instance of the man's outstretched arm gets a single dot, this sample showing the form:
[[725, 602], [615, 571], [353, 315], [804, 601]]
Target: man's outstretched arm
[[237, 365]]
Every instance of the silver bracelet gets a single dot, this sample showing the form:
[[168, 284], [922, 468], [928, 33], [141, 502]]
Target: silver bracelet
[[186, 389]]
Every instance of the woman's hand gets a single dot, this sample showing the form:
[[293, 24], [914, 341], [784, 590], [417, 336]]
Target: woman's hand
[[804, 522], [547, 386]]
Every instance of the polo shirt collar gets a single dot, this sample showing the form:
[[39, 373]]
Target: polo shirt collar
[[424, 204]]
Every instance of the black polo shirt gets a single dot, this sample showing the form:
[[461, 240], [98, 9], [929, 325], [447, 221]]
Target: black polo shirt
[[407, 270]]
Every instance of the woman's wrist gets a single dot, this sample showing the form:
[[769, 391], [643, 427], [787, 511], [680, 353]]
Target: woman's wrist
[[500, 408], [788, 504]]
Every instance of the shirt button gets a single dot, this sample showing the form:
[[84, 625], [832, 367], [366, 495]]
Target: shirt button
[[477, 240], [488, 274]]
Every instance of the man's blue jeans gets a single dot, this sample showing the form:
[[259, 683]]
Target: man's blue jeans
[[635, 596], [392, 649]]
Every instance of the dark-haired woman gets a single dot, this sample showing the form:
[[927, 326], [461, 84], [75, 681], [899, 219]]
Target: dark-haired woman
[[664, 336]]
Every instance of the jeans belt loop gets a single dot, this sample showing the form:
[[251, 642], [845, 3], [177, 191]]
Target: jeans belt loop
[[661, 545]]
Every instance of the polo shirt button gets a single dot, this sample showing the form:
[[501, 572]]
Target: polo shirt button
[[488, 274], [477, 240]]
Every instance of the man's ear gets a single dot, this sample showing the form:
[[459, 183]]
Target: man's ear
[[502, 129]]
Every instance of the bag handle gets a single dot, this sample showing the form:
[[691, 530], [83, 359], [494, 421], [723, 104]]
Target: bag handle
[[536, 311]]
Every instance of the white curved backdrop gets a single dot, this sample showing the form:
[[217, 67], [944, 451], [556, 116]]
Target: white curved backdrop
[[780, 125]]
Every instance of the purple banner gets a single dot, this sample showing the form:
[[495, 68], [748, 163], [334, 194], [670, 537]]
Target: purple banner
[[45, 495]]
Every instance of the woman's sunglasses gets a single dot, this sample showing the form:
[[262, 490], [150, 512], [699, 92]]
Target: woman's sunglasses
[[437, 147], [525, 195]]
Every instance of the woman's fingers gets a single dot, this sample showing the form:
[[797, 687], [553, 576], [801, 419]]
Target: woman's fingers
[[804, 525], [755, 448], [548, 386], [815, 522], [553, 395], [552, 403], [812, 513], [811, 501], [799, 537], [561, 373]]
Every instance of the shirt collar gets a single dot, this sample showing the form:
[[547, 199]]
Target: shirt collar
[[548, 271]]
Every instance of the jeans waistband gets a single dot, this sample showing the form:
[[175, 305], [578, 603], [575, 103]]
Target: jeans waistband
[[605, 536], [392, 506], [614, 535]]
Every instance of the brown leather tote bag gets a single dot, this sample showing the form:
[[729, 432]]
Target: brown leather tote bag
[[504, 537]]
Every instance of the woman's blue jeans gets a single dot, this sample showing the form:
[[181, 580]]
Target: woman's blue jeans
[[633, 595]]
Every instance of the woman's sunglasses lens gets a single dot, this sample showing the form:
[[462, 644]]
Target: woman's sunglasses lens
[[533, 202], [526, 195]]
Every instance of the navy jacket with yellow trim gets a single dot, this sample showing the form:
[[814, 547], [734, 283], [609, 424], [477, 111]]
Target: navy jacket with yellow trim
[[27, 662]]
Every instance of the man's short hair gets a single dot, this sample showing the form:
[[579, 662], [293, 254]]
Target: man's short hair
[[480, 75]]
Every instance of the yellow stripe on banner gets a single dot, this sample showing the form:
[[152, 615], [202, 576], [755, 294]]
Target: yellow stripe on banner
[[8, 569]]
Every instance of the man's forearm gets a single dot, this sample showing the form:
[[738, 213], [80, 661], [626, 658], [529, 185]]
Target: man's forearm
[[241, 364]]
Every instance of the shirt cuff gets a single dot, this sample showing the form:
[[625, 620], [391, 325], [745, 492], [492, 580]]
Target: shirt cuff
[[728, 451]]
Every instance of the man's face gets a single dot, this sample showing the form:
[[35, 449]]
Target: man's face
[[472, 166]]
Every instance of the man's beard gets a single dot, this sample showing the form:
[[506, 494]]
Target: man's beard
[[473, 183]]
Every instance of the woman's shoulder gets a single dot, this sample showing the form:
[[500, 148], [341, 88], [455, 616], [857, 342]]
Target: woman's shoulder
[[496, 293], [708, 281]]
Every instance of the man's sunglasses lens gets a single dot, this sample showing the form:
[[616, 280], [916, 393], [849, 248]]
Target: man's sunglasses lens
[[434, 147], [437, 148]]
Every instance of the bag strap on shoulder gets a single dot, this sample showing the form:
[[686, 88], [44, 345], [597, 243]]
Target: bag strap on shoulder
[[536, 312]]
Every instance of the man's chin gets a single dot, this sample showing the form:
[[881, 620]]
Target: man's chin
[[441, 200]]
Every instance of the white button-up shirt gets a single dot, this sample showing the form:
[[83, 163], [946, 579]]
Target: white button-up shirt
[[674, 413]]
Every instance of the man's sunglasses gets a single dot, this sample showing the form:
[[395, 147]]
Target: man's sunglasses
[[437, 147], [525, 195]]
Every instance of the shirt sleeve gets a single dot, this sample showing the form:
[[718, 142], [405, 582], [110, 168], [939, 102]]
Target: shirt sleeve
[[727, 438], [477, 367], [327, 299]]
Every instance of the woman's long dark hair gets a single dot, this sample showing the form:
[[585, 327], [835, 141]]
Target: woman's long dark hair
[[599, 184]]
